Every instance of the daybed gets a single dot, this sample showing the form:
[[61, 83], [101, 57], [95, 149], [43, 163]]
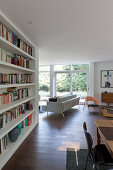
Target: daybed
[[62, 104]]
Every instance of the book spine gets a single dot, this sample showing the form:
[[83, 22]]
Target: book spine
[[0, 54], [1, 30], [1, 143]]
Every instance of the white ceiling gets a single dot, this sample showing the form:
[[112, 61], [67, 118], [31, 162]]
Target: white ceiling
[[66, 31]]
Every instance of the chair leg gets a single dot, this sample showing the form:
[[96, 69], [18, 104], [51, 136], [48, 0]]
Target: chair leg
[[89, 109], [86, 162], [76, 158], [90, 156], [95, 167], [62, 114], [78, 106], [100, 109], [84, 106], [47, 112]]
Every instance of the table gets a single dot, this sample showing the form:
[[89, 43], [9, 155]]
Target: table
[[105, 132]]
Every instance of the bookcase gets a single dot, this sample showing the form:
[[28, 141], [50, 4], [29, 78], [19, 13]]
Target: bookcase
[[18, 88]]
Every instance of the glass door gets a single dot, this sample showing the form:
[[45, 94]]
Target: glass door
[[79, 84], [62, 84]]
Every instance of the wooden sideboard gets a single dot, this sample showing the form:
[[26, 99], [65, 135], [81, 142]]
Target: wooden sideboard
[[107, 98]]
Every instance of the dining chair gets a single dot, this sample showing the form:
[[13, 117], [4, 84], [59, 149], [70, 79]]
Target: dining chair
[[98, 154]]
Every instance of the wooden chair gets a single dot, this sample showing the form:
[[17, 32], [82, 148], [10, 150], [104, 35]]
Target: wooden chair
[[95, 104]]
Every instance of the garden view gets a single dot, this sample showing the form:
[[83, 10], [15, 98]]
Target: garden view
[[79, 81]]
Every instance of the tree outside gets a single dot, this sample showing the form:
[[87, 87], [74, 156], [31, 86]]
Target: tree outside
[[79, 81], [44, 84]]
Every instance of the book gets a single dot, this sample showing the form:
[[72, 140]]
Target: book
[[11, 89], [1, 30], [3, 55], [0, 54], [5, 34], [30, 64], [12, 38], [1, 143], [8, 58], [9, 36], [1, 121], [18, 43], [27, 63]]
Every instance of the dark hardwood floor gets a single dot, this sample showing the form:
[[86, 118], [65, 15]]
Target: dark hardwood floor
[[45, 148]]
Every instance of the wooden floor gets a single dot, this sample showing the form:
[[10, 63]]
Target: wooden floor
[[45, 148]]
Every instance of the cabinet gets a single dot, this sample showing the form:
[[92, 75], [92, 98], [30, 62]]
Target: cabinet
[[9, 68], [107, 98]]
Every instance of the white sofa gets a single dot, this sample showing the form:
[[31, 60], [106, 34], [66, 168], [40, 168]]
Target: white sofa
[[62, 104]]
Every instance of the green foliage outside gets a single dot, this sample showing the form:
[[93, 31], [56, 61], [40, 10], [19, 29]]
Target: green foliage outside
[[79, 80], [80, 67], [63, 82], [44, 81]]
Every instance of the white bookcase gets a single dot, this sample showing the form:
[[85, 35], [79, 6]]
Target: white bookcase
[[33, 87]]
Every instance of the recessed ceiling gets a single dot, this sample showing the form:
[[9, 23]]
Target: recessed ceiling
[[66, 31]]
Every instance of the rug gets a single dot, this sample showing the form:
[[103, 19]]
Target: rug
[[80, 157]]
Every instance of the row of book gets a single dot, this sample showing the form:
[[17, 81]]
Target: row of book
[[27, 121], [10, 115], [13, 94], [15, 78], [5, 140], [13, 113], [15, 59], [12, 38]]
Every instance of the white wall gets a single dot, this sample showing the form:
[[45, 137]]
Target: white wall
[[97, 78]]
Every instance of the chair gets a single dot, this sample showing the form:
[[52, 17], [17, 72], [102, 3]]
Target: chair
[[95, 104], [98, 154]]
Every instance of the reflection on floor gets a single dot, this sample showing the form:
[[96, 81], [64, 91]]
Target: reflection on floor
[[45, 148]]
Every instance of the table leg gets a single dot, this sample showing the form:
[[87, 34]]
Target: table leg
[[98, 137]]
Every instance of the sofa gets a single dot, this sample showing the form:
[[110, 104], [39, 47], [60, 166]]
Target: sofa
[[62, 104]]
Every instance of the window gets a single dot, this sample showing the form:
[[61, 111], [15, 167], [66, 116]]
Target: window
[[61, 67], [72, 79], [80, 67], [44, 82], [44, 68], [79, 84], [63, 83]]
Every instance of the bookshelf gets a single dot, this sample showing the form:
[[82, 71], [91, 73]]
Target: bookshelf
[[12, 66], [17, 85], [14, 123], [7, 68], [13, 49]]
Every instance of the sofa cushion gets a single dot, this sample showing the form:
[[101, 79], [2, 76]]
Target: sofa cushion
[[67, 97], [70, 103], [53, 99]]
